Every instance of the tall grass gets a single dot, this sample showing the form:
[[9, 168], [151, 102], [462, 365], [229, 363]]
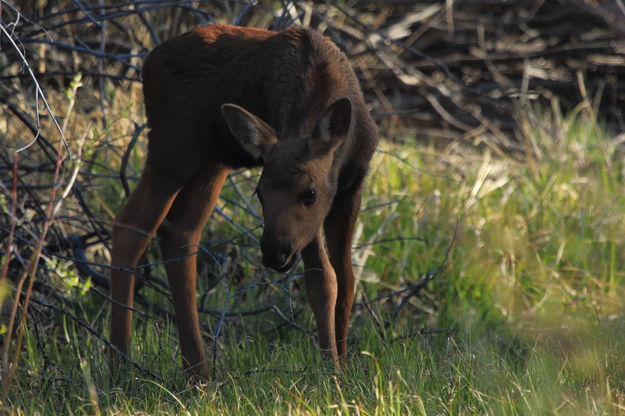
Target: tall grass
[[527, 254]]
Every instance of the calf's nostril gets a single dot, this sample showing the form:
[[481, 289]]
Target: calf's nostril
[[285, 251], [276, 252]]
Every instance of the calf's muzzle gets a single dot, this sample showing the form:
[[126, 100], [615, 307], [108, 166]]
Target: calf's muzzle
[[277, 253]]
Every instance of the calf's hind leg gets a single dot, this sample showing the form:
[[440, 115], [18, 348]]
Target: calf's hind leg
[[178, 238], [170, 164], [133, 230]]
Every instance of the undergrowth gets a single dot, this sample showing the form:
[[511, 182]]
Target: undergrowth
[[523, 314]]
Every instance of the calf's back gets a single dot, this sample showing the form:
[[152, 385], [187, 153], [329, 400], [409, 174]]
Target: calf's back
[[286, 78]]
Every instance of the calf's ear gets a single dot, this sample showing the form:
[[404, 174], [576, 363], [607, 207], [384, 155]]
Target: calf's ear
[[333, 126], [254, 135]]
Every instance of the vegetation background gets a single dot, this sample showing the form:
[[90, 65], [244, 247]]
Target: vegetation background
[[489, 247]]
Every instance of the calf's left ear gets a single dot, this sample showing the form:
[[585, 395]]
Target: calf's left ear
[[333, 125], [256, 136]]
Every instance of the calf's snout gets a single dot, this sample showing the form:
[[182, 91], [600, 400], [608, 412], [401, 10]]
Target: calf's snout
[[277, 252]]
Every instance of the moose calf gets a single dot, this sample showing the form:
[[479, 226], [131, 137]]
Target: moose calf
[[222, 97]]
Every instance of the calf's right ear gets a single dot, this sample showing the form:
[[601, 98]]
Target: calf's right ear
[[256, 136], [333, 126]]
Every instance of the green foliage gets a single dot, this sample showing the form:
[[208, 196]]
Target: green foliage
[[68, 278], [528, 258]]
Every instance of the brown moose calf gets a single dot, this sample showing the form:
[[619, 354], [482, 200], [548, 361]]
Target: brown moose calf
[[219, 98]]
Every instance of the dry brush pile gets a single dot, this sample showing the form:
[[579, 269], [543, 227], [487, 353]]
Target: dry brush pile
[[71, 118]]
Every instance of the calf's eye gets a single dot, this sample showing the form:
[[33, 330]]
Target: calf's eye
[[308, 197]]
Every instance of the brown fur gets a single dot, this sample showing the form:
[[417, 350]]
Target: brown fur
[[223, 97]]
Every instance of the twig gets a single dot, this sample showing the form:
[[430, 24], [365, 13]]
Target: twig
[[39, 93], [100, 338]]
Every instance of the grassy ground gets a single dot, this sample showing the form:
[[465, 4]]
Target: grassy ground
[[527, 256]]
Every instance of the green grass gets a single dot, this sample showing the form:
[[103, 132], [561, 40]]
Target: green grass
[[528, 256]]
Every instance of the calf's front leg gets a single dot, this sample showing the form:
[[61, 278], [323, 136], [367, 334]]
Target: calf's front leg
[[339, 228], [321, 290]]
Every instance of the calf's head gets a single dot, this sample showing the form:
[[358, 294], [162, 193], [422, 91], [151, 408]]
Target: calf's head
[[298, 182]]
